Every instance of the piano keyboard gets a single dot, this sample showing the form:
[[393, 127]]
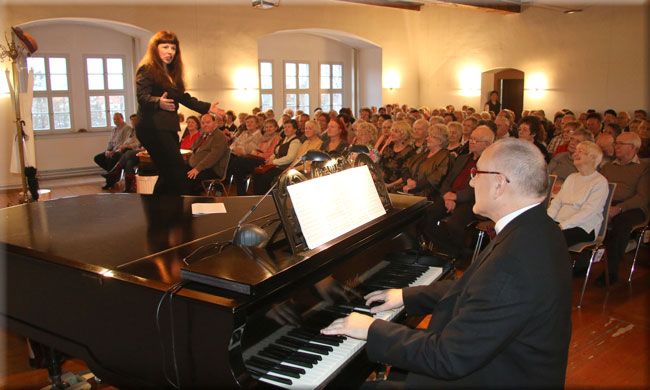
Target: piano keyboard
[[301, 358]]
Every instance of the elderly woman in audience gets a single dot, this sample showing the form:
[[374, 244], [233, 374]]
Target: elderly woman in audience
[[531, 130], [230, 124], [242, 166], [249, 139], [283, 154], [577, 208], [367, 136], [420, 133], [312, 142], [396, 153], [192, 132], [384, 138], [455, 147], [337, 136], [423, 173]]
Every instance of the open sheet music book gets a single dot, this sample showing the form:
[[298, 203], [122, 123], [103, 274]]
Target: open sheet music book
[[332, 205]]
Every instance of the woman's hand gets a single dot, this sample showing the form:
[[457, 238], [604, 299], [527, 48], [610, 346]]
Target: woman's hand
[[167, 104], [216, 110]]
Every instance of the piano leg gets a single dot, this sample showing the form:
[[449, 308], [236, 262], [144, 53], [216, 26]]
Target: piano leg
[[53, 363]]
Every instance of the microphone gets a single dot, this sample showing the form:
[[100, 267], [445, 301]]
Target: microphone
[[250, 234]]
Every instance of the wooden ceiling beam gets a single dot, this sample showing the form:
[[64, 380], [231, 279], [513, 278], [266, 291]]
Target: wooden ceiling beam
[[401, 4], [500, 6]]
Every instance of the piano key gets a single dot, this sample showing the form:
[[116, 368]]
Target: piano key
[[272, 379], [278, 358], [306, 346], [274, 367], [306, 356]]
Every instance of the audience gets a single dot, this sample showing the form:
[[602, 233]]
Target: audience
[[117, 144], [191, 133], [337, 136], [455, 147], [209, 155], [283, 154], [395, 153], [562, 164], [530, 129], [420, 133]]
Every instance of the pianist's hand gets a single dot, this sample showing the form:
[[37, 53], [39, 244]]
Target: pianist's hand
[[392, 299], [355, 325]]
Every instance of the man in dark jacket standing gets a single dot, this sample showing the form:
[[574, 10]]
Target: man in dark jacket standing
[[506, 323]]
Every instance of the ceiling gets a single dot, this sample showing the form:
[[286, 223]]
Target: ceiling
[[499, 6]]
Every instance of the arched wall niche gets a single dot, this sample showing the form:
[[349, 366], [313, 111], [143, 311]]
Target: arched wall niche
[[362, 62]]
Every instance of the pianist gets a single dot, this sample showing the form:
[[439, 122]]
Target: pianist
[[506, 323]]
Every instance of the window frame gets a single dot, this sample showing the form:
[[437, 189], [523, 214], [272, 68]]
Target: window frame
[[105, 92], [331, 91], [266, 91], [49, 94], [297, 91]]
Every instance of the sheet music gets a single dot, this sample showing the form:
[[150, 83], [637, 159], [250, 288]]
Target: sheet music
[[208, 208], [332, 205]]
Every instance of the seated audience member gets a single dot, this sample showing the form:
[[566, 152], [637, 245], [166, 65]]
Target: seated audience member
[[562, 164], [423, 173], [612, 129], [594, 123], [634, 125], [420, 134], [284, 153], [436, 119], [560, 137], [469, 125], [396, 153], [230, 123], [455, 147], [506, 323], [249, 139], [565, 136], [577, 208], [367, 136], [582, 118], [242, 166], [269, 114], [312, 142], [384, 137], [209, 155], [606, 144], [192, 132], [119, 134], [530, 129], [127, 163], [609, 116], [337, 136], [644, 134], [631, 199], [220, 123], [242, 122], [623, 120], [640, 114], [323, 119], [503, 127], [301, 126], [456, 199]]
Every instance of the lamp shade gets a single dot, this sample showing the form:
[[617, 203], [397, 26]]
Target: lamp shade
[[26, 39]]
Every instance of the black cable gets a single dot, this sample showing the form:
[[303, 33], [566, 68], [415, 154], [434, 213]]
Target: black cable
[[171, 324], [170, 291]]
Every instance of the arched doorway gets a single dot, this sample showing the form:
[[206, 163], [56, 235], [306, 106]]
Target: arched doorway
[[510, 85]]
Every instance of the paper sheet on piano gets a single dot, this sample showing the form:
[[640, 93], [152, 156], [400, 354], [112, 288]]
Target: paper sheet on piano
[[208, 208], [332, 205]]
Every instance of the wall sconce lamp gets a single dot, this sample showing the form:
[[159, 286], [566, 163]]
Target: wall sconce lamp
[[536, 85], [470, 81], [391, 79]]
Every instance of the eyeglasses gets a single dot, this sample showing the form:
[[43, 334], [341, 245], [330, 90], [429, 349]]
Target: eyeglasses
[[623, 143], [473, 172]]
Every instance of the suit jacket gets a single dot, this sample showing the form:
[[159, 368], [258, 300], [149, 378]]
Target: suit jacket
[[150, 115], [211, 154], [506, 323], [465, 195]]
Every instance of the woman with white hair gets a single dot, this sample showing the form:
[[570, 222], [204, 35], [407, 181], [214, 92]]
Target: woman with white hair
[[578, 206], [423, 173], [455, 147]]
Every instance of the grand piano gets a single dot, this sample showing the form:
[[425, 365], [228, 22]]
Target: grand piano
[[98, 277]]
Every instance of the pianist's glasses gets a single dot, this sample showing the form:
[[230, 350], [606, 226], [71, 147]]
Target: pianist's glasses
[[473, 172]]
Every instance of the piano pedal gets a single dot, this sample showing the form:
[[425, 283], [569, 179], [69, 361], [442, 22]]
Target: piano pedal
[[380, 374]]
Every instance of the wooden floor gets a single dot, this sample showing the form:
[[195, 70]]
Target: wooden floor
[[610, 344]]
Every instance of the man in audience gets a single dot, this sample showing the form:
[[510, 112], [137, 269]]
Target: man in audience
[[640, 114], [365, 114], [209, 155], [457, 199], [609, 116], [120, 133], [606, 144], [562, 164], [594, 123], [469, 125], [503, 127], [506, 323], [623, 120], [630, 202]]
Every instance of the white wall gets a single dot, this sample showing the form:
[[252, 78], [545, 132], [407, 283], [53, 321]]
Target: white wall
[[594, 59]]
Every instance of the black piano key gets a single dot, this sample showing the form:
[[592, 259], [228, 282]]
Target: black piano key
[[291, 342], [257, 375], [295, 353], [288, 359], [270, 366], [316, 333], [305, 337]]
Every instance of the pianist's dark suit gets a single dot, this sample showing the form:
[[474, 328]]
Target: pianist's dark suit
[[505, 323]]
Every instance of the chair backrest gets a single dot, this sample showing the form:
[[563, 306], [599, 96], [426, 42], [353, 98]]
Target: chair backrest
[[603, 226], [222, 175], [551, 183]]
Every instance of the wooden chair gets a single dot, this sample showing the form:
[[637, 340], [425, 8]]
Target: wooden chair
[[210, 186], [639, 230], [596, 244]]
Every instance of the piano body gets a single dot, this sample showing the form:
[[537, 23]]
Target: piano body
[[90, 276]]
